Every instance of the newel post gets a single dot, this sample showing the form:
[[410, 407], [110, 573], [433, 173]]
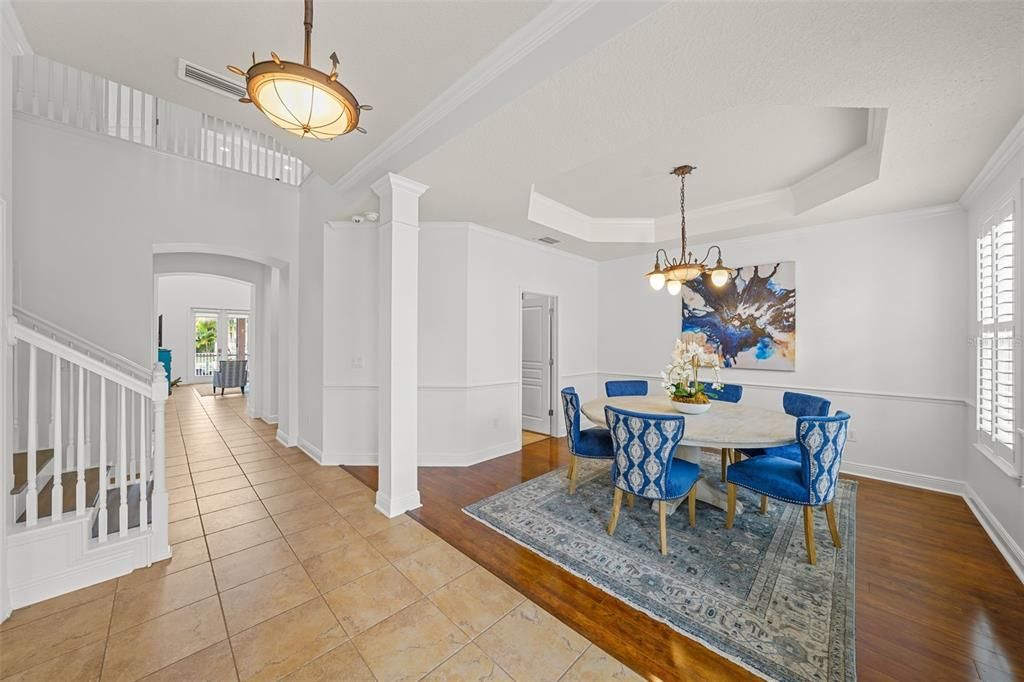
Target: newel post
[[159, 548]]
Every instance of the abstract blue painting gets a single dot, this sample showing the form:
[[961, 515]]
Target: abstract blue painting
[[750, 321]]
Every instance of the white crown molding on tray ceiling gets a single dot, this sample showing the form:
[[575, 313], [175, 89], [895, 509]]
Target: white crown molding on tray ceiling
[[853, 170], [557, 36], [1003, 154]]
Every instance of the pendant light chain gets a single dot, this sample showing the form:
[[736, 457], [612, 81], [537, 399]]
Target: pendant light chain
[[682, 212], [686, 268]]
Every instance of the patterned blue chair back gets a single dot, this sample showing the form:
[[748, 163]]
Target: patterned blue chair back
[[730, 393], [643, 445], [571, 409], [620, 388], [804, 405], [822, 440]]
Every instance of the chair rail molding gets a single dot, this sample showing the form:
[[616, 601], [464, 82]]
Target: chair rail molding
[[859, 393]]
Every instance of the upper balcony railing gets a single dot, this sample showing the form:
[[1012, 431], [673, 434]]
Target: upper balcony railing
[[64, 94]]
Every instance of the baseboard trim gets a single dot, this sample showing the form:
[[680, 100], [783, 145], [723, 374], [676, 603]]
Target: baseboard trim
[[439, 459], [311, 450], [1011, 551], [925, 481]]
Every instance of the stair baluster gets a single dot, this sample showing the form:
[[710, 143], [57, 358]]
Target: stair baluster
[[57, 496], [104, 476], [143, 474], [122, 461], [80, 452], [32, 495]]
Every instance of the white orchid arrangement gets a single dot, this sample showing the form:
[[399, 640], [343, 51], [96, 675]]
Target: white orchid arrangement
[[679, 379]]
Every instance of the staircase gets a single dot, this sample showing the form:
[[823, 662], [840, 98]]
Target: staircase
[[86, 465]]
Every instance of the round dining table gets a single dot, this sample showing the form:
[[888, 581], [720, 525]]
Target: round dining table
[[726, 426]]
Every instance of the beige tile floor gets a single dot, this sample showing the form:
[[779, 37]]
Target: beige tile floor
[[283, 569]]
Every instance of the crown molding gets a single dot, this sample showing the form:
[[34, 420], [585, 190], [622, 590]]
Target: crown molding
[[556, 36], [539, 30], [546, 211], [1011, 145], [15, 42], [855, 169]]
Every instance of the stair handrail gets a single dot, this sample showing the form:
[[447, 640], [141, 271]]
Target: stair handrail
[[50, 344]]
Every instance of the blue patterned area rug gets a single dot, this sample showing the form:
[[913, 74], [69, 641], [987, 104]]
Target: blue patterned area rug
[[747, 593]]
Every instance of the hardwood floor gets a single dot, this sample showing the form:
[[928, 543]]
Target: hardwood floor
[[935, 599]]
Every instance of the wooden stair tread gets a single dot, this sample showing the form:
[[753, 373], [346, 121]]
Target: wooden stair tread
[[68, 480], [43, 457]]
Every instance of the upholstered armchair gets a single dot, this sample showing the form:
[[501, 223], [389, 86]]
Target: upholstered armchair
[[728, 393], [796, 405], [811, 482], [614, 389], [645, 466], [231, 374], [594, 443]]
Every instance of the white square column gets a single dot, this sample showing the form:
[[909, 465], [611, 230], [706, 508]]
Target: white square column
[[397, 446]]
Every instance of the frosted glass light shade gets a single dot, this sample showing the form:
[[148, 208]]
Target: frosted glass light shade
[[656, 280], [302, 100], [719, 277], [674, 286]]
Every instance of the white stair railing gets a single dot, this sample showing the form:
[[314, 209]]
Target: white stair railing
[[63, 94], [127, 401]]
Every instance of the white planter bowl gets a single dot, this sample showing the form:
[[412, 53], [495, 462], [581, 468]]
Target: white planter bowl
[[691, 408]]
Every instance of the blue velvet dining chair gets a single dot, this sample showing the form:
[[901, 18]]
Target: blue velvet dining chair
[[594, 443], [810, 482], [795, 405], [614, 389], [645, 464], [727, 393]]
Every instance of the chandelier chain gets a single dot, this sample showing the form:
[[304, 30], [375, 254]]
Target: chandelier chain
[[682, 216]]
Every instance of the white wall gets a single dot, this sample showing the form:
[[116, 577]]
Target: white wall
[[470, 283], [881, 330], [90, 208], [997, 496], [177, 295]]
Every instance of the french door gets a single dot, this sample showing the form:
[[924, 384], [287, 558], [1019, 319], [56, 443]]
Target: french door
[[219, 335]]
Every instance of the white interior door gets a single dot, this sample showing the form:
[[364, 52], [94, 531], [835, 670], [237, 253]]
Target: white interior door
[[538, 362]]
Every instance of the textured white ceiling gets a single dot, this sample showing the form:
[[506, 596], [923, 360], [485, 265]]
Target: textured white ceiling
[[768, 148], [701, 78], [395, 56]]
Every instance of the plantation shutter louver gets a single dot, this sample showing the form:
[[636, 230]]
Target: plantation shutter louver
[[996, 347]]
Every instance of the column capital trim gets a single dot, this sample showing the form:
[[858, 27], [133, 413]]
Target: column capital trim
[[390, 182]]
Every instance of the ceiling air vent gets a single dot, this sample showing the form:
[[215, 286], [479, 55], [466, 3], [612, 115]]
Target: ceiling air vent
[[548, 240], [204, 78]]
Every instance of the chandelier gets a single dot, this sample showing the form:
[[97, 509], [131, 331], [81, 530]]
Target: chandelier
[[686, 268], [302, 100]]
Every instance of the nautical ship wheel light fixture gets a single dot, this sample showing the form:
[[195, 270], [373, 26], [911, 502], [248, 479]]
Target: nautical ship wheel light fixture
[[675, 272], [302, 100]]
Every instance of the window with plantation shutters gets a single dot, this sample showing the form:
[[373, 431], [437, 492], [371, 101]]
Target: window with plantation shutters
[[995, 338]]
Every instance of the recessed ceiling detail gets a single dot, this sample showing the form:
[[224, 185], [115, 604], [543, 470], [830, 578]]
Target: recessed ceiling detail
[[831, 178]]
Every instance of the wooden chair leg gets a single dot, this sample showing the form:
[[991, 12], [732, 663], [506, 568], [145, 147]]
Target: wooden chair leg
[[830, 514], [572, 475], [764, 504], [631, 500], [725, 457], [663, 521], [693, 506], [616, 505], [572, 463], [730, 512], [809, 535]]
